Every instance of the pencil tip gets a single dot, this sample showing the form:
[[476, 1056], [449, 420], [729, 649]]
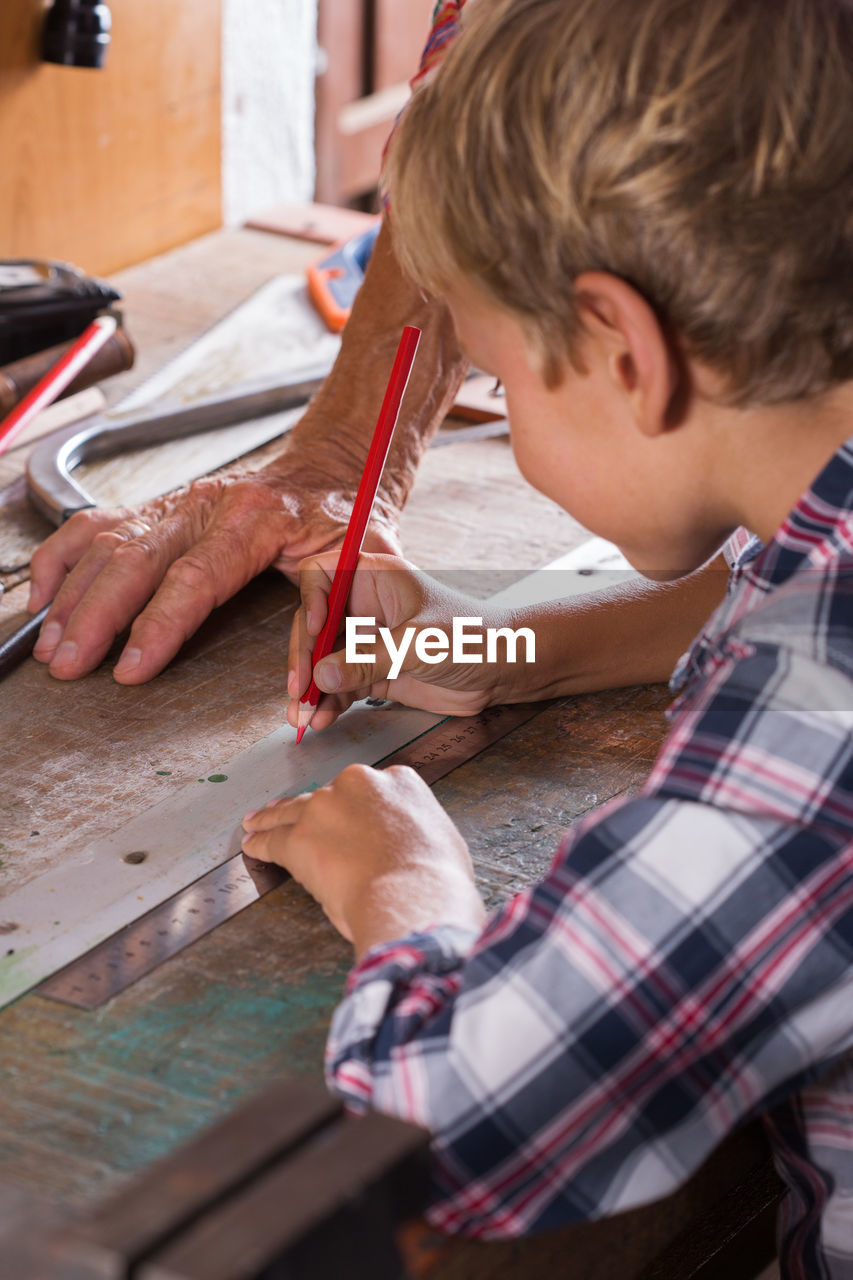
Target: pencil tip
[[299, 733]]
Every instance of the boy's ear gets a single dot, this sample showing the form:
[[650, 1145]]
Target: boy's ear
[[640, 360]]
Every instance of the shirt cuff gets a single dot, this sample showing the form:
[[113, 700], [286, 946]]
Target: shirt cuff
[[391, 994], [438, 949]]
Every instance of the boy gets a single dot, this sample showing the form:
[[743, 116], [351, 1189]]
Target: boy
[[639, 215]]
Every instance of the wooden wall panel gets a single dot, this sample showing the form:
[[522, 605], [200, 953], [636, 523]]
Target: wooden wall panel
[[371, 50], [105, 168], [341, 34], [401, 32]]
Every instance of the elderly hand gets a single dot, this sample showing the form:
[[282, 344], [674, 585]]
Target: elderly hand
[[171, 561]]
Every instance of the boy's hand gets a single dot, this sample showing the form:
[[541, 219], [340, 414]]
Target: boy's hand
[[376, 850], [393, 592]]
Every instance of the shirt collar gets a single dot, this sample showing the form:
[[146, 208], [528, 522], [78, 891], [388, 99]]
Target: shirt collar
[[814, 533], [819, 525]]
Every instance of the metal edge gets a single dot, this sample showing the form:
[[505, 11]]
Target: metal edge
[[50, 484]]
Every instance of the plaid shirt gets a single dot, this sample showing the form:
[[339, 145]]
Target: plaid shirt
[[686, 962], [446, 22]]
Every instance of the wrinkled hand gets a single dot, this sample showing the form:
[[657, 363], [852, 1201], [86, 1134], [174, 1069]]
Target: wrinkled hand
[[398, 596], [169, 562], [376, 850]]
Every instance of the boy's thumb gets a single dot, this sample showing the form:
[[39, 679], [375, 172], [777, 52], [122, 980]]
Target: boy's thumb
[[328, 676], [333, 676], [391, 653]]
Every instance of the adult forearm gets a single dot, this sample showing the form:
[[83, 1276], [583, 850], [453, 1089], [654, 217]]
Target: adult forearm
[[337, 426]]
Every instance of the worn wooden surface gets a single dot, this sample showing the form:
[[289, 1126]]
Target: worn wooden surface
[[79, 759], [87, 1099]]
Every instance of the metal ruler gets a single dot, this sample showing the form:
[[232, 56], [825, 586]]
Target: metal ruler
[[161, 933]]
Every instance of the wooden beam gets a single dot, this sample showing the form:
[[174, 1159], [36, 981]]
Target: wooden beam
[[105, 168]]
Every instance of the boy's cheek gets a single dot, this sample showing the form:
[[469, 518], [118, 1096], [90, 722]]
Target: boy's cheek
[[531, 459]]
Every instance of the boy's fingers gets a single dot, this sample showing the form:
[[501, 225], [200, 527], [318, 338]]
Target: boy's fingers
[[383, 585], [335, 675], [299, 678], [390, 656], [384, 588], [327, 711], [315, 583], [259, 845], [279, 813], [268, 834], [299, 655]]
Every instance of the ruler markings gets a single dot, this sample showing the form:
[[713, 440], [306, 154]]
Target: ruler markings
[[432, 751], [146, 943], [62, 914]]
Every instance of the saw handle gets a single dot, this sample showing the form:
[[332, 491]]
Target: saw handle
[[17, 379], [334, 281], [20, 643]]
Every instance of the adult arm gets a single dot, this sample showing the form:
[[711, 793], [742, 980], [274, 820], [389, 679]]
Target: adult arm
[[163, 566]]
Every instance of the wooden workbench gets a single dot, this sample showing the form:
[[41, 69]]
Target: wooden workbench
[[88, 1099]]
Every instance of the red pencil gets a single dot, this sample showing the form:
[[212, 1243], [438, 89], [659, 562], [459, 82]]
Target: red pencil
[[362, 508], [56, 379]]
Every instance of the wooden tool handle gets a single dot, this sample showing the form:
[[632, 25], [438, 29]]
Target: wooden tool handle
[[20, 643], [17, 379]]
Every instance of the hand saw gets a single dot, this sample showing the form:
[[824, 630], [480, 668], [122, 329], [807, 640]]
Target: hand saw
[[269, 354], [57, 495]]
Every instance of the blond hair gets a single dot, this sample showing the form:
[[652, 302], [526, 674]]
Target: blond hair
[[701, 150]]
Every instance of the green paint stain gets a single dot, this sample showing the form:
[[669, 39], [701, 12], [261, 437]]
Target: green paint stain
[[218, 777], [164, 773], [200, 1052]]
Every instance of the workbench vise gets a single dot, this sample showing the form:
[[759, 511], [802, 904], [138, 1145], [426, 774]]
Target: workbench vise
[[286, 1187]]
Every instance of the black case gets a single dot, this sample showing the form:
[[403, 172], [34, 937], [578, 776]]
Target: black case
[[45, 303]]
